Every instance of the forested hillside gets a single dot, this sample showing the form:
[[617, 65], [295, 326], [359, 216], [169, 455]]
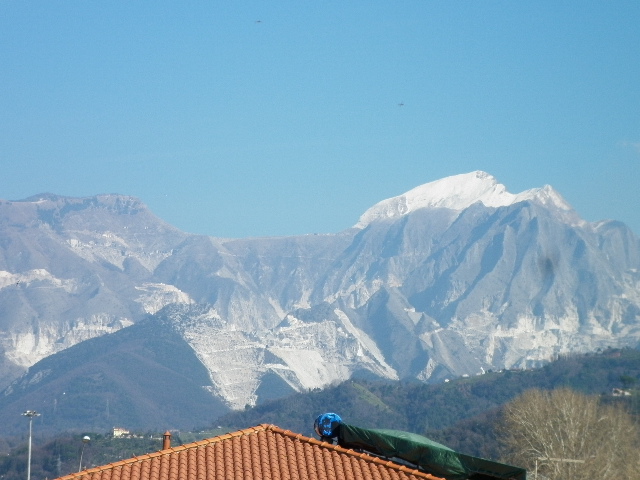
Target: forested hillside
[[461, 414]]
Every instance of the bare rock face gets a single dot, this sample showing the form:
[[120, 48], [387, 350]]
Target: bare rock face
[[73, 269], [453, 278]]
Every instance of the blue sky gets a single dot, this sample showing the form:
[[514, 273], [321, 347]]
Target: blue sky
[[256, 118]]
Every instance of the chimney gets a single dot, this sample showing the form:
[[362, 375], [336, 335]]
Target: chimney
[[166, 440]]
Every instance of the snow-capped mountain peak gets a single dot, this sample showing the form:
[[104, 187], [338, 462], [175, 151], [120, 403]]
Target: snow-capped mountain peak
[[517, 280], [457, 193]]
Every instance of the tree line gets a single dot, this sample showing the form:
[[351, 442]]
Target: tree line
[[561, 421]]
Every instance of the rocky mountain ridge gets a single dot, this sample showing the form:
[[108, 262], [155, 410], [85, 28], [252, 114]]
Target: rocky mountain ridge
[[454, 278]]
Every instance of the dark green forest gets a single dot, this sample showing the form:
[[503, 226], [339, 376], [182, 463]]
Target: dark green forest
[[460, 414]]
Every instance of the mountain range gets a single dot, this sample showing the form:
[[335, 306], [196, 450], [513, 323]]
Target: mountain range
[[102, 301]]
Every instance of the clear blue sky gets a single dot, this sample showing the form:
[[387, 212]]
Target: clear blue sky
[[256, 118]]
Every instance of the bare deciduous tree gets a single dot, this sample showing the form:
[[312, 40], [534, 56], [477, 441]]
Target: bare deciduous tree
[[565, 435]]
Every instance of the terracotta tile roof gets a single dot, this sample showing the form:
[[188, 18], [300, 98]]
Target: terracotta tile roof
[[265, 452]]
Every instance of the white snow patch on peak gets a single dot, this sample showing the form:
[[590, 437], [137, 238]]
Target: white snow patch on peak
[[459, 192]]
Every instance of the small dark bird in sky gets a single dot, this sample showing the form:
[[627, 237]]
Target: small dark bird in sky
[[401, 104]]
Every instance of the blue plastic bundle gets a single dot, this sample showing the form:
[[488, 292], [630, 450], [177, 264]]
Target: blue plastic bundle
[[326, 425]]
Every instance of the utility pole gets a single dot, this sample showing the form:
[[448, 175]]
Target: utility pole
[[30, 414]]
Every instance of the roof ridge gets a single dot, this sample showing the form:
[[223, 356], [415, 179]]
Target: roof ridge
[[168, 451]]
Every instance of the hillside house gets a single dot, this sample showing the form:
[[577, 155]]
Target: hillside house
[[619, 392], [120, 432]]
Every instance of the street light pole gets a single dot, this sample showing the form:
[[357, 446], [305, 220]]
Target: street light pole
[[85, 440], [30, 414]]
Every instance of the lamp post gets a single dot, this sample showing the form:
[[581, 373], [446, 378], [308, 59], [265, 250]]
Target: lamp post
[[85, 440], [30, 414]]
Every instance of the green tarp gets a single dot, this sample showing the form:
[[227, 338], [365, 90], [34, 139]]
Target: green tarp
[[429, 456]]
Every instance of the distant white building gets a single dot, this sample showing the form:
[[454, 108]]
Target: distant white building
[[618, 392], [120, 432]]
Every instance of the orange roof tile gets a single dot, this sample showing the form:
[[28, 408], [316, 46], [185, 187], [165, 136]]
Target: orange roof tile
[[265, 452]]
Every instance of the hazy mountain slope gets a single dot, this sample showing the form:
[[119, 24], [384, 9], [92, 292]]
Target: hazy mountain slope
[[447, 293], [455, 277], [70, 268], [142, 377]]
